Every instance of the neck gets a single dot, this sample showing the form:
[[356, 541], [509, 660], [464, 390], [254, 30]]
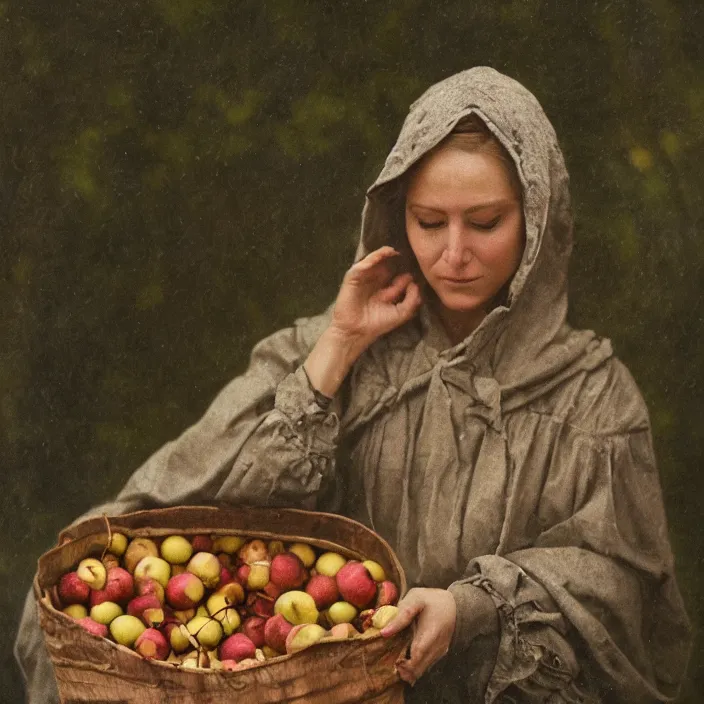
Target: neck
[[458, 324]]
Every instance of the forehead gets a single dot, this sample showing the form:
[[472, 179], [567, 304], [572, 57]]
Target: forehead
[[451, 176]]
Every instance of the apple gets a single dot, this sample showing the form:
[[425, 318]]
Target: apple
[[297, 607], [303, 636], [139, 604], [356, 584], [126, 629], [219, 607], [330, 563], [287, 571], [92, 572], [151, 567], [138, 549], [202, 543], [176, 550], [276, 547], [269, 652], [118, 544], [323, 589], [150, 587], [109, 561], [153, 618], [253, 628], [260, 605], [206, 567], [76, 611], [276, 629], [305, 552], [254, 551], [375, 570], [342, 631], [119, 588], [72, 589], [206, 630], [106, 612], [178, 637], [387, 593], [184, 615], [225, 576], [228, 544], [184, 591], [258, 576], [97, 629], [237, 647], [384, 615], [152, 645], [342, 612]]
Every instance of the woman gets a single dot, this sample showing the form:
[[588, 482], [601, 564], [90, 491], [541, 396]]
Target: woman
[[444, 401]]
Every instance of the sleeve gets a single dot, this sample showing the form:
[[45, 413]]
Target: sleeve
[[590, 612], [269, 438]]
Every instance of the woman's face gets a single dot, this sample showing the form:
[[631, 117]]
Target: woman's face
[[464, 222]]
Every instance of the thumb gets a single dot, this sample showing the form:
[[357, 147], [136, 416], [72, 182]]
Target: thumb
[[408, 608]]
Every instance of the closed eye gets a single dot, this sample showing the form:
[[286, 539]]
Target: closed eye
[[427, 225], [487, 225]]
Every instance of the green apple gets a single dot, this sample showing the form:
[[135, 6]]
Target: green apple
[[329, 563], [297, 607], [342, 612], [76, 611], [155, 568], [106, 612], [176, 550], [92, 572], [375, 570], [118, 544], [206, 630], [305, 552], [126, 629]]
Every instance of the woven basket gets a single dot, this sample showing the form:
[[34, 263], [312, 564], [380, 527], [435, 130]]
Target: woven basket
[[92, 669]]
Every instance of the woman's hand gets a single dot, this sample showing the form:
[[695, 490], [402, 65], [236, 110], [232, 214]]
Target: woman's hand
[[370, 303], [435, 614]]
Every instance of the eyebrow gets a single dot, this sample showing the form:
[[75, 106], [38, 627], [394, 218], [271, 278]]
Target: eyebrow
[[474, 208]]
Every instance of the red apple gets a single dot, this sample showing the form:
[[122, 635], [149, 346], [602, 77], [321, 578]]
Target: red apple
[[356, 584], [253, 628], [202, 543], [324, 590], [137, 606], [152, 645], [184, 591], [237, 647], [118, 588], [386, 594], [97, 629], [287, 571], [276, 630], [73, 590]]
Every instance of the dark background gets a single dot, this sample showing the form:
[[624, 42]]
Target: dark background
[[179, 178]]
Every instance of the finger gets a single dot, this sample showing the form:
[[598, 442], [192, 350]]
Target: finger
[[395, 288], [408, 608], [377, 256], [406, 672], [409, 305]]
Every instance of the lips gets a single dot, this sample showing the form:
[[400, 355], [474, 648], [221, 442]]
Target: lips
[[459, 281]]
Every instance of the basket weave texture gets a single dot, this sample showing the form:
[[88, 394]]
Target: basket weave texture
[[92, 669]]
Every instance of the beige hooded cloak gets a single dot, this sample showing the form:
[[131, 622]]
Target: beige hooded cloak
[[519, 460]]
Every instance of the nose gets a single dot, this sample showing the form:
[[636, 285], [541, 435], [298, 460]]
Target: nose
[[457, 252]]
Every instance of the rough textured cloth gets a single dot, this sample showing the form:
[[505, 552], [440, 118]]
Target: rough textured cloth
[[518, 460]]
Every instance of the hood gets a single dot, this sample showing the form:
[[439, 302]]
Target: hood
[[527, 341]]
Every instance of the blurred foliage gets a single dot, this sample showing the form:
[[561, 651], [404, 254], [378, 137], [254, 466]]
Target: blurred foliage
[[179, 178]]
